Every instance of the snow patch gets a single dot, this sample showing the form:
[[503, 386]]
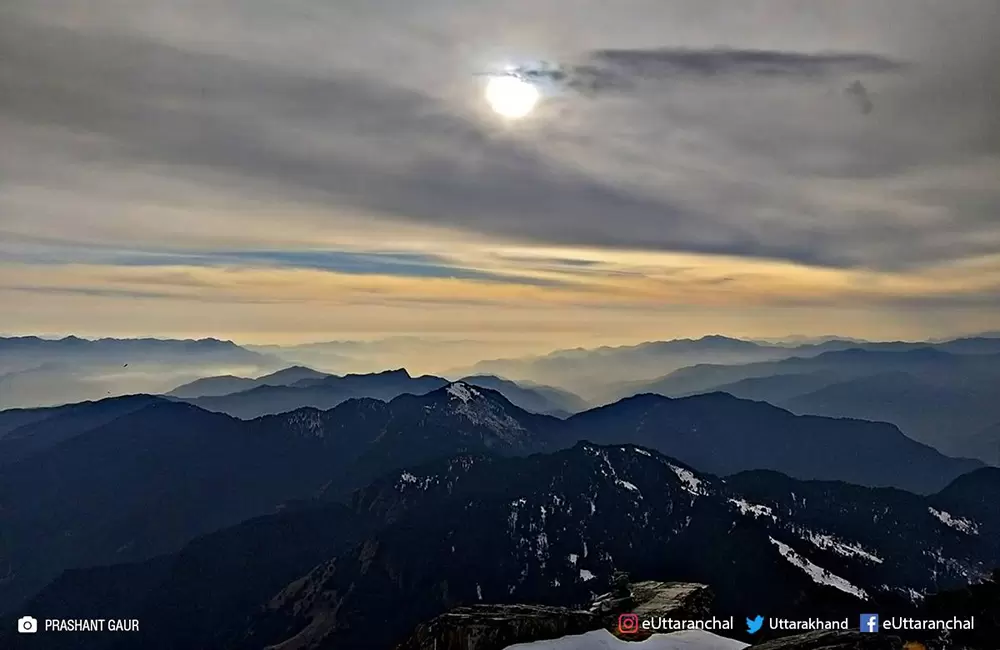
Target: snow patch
[[627, 485], [847, 549], [958, 523], [642, 451], [542, 546], [573, 557], [689, 481], [515, 506], [586, 576], [747, 508], [970, 574], [818, 574], [479, 591], [406, 478]]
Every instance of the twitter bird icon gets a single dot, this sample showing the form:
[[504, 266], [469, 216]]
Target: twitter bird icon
[[754, 624]]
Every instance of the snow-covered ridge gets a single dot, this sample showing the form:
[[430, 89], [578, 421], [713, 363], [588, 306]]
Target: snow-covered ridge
[[472, 404], [462, 391], [818, 574], [958, 523]]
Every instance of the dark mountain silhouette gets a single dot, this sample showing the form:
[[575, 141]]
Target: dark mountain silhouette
[[145, 484], [199, 471], [324, 393], [58, 424], [203, 595], [719, 433], [227, 384], [774, 389], [838, 365], [11, 419], [985, 445], [938, 397], [940, 411], [975, 494], [548, 529]]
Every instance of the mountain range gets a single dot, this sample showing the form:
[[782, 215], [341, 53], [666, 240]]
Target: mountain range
[[41, 372], [201, 471], [548, 529], [944, 399], [298, 387], [245, 503], [228, 384], [593, 373]]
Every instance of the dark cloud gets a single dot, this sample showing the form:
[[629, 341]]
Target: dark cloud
[[347, 262], [91, 291], [553, 261], [618, 68]]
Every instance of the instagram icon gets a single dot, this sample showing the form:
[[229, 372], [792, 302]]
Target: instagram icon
[[628, 624]]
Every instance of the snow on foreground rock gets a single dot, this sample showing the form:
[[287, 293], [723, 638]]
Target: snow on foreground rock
[[604, 640]]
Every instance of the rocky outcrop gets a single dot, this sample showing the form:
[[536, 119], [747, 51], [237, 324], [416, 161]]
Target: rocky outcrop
[[494, 627], [832, 640], [684, 600]]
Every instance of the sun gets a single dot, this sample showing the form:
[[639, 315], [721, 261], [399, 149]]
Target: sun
[[511, 97]]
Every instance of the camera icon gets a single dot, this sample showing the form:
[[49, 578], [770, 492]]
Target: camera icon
[[27, 625]]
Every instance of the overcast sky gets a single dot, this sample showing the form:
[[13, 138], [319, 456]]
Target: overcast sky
[[309, 170]]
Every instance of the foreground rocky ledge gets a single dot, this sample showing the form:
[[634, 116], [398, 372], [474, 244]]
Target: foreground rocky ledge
[[495, 627]]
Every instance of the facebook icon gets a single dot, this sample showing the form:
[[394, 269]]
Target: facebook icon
[[869, 622]]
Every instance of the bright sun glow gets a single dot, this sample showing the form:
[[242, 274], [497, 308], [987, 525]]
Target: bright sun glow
[[511, 97]]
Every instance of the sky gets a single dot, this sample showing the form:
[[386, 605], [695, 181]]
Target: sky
[[312, 170]]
